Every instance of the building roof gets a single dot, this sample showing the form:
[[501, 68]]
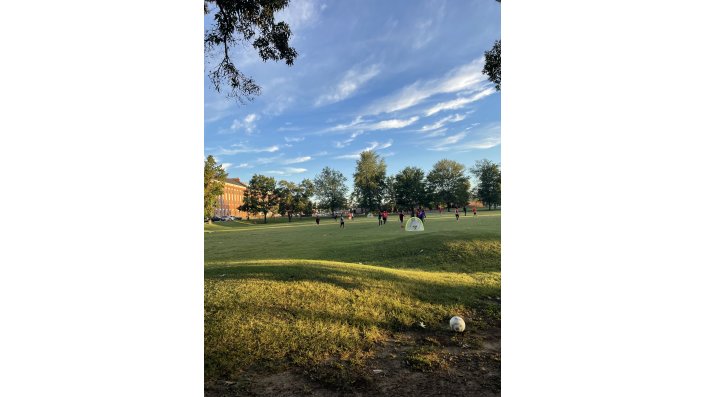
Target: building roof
[[235, 181]]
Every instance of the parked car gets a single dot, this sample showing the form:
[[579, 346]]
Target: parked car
[[216, 219]]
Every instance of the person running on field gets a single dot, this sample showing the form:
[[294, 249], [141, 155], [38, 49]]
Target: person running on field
[[457, 214], [474, 211], [318, 219], [422, 214], [342, 221], [379, 218], [385, 214], [465, 209], [401, 216]]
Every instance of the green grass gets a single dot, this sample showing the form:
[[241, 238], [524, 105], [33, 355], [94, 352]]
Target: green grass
[[299, 295]]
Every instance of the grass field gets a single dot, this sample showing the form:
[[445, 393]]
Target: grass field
[[334, 308]]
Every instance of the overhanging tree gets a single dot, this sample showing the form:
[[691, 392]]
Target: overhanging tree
[[330, 189], [240, 22], [448, 184], [369, 178], [493, 64], [213, 183]]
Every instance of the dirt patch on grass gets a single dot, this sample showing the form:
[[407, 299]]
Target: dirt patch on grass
[[419, 362]]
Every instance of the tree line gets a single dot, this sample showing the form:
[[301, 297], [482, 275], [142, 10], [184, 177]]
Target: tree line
[[446, 185]]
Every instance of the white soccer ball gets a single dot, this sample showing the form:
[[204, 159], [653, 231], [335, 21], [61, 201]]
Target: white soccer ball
[[457, 324]]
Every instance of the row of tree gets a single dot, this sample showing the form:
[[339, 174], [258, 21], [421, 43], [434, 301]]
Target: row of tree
[[446, 185]]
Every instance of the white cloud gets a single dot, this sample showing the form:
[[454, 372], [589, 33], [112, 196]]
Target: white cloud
[[297, 160], [463, 141], [342, 144], [459, 103], [247, 124], [293, 139], [243, 165], [240, 148], [373, 146], [360, 125], [392, 124], [467, 77], [226, 165], [442, 122], [340, 127], [286, 171], [351, 82]]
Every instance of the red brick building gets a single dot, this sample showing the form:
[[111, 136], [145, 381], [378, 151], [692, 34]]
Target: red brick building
[[232, 197]]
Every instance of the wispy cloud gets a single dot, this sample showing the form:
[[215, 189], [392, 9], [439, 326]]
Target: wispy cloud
[[247, 124], [351, 82], [428, 29], [467, 77], [342, 144], [216, 110], [373, 146], [360, 125], [459, 103], [226, 165], [243, 165], [241, 148], [293, 139], [442, 122], [297, 160], [300, 14], [286, 171], [341, 127], [483, 138]]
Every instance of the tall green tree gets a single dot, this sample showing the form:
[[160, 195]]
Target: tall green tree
[[295, 198], [213, 183], [262, 195], [302, 199], [247, 204], [410, 188], [237, 22], [368, 179], [331, 189], [286, 192], [389, 200], [489, 188], [448, 184]]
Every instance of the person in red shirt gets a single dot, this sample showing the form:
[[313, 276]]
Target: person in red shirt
[[385, 214], [474, 211], [457, 214]]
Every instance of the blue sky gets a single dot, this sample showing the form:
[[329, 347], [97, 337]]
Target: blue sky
[[400, 77]]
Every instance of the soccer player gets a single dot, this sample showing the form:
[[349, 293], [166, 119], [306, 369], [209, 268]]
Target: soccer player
[[379, 218], [342, 221], [457, 214], [465, 209], [401, 216], [385, 214], [318, 219], [474, 211]]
